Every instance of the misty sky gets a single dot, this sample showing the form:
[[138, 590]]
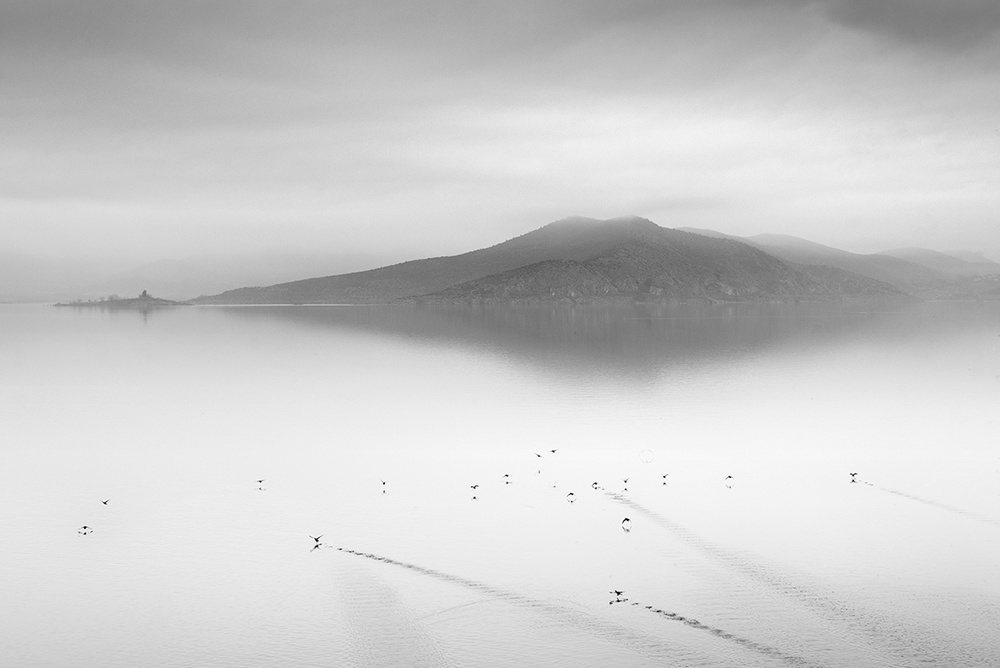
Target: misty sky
[[410, 128]]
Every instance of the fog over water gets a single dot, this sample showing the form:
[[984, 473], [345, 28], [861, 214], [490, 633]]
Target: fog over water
[[174, 415]]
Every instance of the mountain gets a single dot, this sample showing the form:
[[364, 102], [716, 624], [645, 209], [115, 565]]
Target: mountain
[[900, 272], [580, 258], [917, 271], [655, 263], [574, 238], [971, 256], [956, 264]]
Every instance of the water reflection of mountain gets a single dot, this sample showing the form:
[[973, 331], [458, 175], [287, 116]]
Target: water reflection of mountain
[[637, 339]]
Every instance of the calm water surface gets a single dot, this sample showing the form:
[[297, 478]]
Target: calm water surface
[[173, 416]]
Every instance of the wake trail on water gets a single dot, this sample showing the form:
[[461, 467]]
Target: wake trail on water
[[593, 626], [882, 634], [767, 650], [937, 504], [382, 630]]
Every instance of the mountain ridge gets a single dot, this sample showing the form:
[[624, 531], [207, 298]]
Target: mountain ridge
[[581, 258], [920, 272]]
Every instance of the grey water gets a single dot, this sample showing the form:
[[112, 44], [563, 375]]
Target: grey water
[[726, 434]]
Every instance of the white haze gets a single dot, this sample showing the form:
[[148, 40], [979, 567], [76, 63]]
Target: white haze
[[149, 132]]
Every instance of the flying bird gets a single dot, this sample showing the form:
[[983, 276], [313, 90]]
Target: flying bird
[[84, 530], [473, 486], [626, 525], [571, 497], [553, 450], [316, 538], [105, 501]]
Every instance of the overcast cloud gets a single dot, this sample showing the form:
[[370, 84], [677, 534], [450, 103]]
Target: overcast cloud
[[414, 128]]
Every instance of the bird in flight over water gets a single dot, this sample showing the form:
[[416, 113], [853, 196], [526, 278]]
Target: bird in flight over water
[[626, 525], [105, 501]]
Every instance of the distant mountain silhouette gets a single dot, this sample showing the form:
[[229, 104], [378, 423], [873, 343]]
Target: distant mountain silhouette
[[956, 264], [917, 271], [581, 259], [906, 275], [974, 257]]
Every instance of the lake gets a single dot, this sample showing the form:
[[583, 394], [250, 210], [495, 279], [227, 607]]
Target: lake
[[468, 473]]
